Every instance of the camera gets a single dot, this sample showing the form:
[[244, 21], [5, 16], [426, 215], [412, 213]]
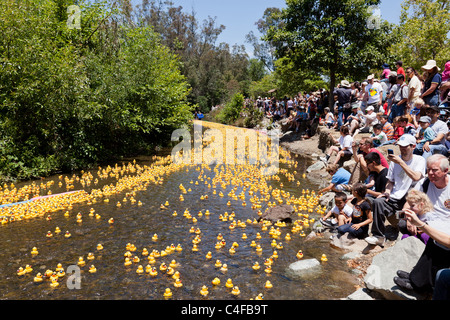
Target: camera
[[390, 152], [400, 215]]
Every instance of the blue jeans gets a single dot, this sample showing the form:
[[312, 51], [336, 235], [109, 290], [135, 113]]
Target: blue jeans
[[442, 286], [432, 99], [435, 148], [397, 110], [342, 115], [360, 233]]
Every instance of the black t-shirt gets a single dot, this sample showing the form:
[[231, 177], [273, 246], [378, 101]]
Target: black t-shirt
[[380, 180], [360, 211], [344, 95]]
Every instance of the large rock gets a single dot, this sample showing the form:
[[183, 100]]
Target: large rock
[[303, 268], [319, 165], [402, 256], [283, 213]]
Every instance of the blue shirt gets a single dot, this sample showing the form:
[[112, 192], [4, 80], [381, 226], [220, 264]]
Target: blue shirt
[[341, 176]]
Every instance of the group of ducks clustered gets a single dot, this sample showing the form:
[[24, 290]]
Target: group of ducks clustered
[[133, 178]]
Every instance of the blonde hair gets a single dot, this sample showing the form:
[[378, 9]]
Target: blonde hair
[[416, 196]]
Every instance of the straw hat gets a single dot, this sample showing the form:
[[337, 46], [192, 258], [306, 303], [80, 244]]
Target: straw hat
[[430, 65]]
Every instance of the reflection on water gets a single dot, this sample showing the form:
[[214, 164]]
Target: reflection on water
[[136, 224]]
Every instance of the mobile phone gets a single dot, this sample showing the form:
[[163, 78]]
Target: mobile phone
[[400, 215], [390, 152]]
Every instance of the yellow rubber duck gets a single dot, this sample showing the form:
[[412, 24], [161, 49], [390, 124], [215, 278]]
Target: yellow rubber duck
[[140, 270], [215, 281], [67, 234], [256, 266], [136, 259], [268, 269], [167, 293], [61, 273], [28, 268], [81, 262], [153, 272], [209, 255], [259, 297], [232, 250], [218, 264], [224, 268], [287, 237], [163, 267], [178, 283], [127, 262], [155, 237], [92, 269], [235, 291], [244, 236], [34, 251], [21, 271], [38, 278], [204, 291], [176, 275], [54, 283], [111, 221], [299, 254], [258, 249], [268, 285], [324, 258], [179, 248], [49, 234], [173, 264], [57, 230], [99, 247], [90, 256], [145, 252], [229, 284]]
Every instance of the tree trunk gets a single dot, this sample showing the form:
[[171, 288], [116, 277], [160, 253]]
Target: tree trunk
[[332, 86]]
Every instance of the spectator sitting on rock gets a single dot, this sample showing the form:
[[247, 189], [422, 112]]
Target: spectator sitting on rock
[[341, 212], [361, 217], [418, 202], [340, 178], [434, 260], [404, 171], [378, 175], [366, 147], [368, 121], [378, 136], [441, 129], [437, 252], [345, 146]]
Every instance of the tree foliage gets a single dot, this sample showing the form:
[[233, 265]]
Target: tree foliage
[[70, 98], [424, 32], [331, 38]]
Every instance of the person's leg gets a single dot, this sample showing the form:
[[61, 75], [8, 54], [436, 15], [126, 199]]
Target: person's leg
[[442, 288], [338, 157], [434, 149]]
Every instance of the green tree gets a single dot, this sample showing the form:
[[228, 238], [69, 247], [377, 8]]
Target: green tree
[[331, 38], [424, 32]]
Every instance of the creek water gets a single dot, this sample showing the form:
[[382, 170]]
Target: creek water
[[136, 224]]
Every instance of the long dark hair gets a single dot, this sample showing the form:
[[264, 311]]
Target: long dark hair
[[413, 70]]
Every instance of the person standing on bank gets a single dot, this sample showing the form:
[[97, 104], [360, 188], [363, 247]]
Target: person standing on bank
[[374, 94], [344, 98], [404, 172], [430, 93]]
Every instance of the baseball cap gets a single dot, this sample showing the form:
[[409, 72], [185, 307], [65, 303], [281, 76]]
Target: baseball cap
[[370, 108], [406, 140], [425, 119]]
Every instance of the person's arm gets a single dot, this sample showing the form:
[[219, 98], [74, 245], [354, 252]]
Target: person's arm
[[327, 189], [438, 236], [366, 222], [414, 175], [387, 190], [430, 90]]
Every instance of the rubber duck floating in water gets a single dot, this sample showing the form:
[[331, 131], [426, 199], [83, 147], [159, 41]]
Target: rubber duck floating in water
[[235, 291], [204, 291], [167, 293], [299, 254], [38, 278], [229, 284], [324, 258], [92, 269], [268, 285], [34, 251], [99, 247], [178, 283], [215, 281]]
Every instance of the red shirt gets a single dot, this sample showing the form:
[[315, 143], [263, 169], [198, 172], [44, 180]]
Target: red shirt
[[401, 71], [384, 162]]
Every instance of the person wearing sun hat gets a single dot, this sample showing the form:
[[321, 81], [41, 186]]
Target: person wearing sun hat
[[404, 172], [430, 93], [344, 96]]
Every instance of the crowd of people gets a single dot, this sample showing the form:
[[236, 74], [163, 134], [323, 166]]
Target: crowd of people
[[412, 189]]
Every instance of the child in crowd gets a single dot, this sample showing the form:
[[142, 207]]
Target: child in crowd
[[341, 213], [340, 178], [358, 227], [329, 118], [418, 202], [378, 136], [445, 95], [345, 146], [424, 134]]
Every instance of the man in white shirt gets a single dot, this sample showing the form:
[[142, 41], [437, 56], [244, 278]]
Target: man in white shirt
[[441, 129], [374, 93], [415, 87], [404, 172]]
